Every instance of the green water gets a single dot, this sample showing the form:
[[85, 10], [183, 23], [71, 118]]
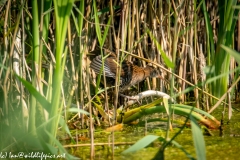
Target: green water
[[219, 147]]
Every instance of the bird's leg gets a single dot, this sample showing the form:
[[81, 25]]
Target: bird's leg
[[130, 98]]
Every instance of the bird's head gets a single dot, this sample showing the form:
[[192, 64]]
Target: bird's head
[[154, 72]]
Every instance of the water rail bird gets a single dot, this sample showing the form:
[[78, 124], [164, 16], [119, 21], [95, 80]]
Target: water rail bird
[[130, 74]]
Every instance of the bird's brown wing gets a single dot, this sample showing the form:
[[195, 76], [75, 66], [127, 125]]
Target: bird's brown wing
[[126, 69], [96, 65], [110, 68]]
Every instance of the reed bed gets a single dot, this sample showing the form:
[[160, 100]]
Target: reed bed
[[46, 82]]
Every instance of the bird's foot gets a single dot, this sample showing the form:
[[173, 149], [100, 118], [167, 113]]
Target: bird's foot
[[130, 98]]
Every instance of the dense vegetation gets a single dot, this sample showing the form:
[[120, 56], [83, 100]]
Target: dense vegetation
[[46, 84]]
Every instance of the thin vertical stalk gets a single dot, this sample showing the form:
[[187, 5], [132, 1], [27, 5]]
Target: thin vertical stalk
[[193, 8], [137, 23], [22, 69], [81, 91], [90, 116], [117, 51], [39, 73], [172, 79], [45, 20], [35, 62]]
